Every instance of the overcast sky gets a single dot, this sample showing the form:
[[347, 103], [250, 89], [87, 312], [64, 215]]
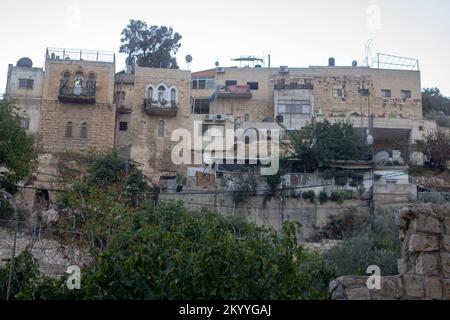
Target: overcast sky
[[296, 33]]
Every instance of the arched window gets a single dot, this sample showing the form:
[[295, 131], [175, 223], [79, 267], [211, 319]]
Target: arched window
[[150, 93], [173, 95], [69, 127], [161, 129], [66, 79], [91, 82], [79, 82], [84, 131], [161, 93]]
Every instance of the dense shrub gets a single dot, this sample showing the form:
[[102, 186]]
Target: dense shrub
[[309, 195], [170, 253], [367, 240]]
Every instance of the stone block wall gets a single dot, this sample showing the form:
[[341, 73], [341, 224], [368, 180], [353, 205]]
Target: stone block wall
[[424, 269]]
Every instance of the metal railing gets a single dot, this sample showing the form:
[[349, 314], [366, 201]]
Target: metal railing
[[80, 55], [77, 94]]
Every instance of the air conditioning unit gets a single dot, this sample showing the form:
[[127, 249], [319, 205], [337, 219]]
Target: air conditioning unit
[[210, 117], [220, 70], [220, 117], [284, 69]]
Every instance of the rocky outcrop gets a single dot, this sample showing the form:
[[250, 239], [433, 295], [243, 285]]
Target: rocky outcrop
[[424, 269]]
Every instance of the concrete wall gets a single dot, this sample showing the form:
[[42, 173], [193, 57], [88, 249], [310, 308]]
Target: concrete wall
[[271, 213], [394, 193]]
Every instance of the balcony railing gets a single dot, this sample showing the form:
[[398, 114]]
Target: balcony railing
[[293, 86], [234, 92], [165, 109], [84, 95]]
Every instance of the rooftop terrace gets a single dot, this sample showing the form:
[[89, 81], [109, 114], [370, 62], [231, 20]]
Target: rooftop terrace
[[80, 55]]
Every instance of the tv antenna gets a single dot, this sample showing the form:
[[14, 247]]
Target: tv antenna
[[188, 60], [367, 55]]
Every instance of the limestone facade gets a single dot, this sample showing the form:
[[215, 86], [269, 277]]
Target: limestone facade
[[92, 123]]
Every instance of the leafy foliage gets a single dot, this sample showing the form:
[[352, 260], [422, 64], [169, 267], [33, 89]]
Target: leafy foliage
[[25, 270], [436, 147], [17, 153], [150, 46], [309, 195], [318, 144], [435, 103], [170, 253], [99, 203], [367, 240]]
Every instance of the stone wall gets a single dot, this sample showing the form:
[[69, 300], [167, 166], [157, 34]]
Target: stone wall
[[424, 270], [53, 257]]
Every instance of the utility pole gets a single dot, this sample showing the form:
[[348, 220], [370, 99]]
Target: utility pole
[[13, 254]]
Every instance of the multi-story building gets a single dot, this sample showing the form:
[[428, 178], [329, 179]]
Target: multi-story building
[[25, 85], [68, 105], [77, 111], [385, 101], [78, 103]]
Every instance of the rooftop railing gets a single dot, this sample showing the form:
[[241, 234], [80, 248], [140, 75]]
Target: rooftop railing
[[80, 55]]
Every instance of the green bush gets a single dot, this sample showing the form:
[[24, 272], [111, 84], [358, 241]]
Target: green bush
[[170, 253], [323, 197], [367, 240], [309, 195]]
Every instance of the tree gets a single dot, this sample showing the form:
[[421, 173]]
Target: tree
[[150, 46], [101, 196], [17, 153], [367, 240], [318, 144], [436, 106], [169, 253], [436, 147]]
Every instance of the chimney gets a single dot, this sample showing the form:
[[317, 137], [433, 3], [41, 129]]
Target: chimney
[[331, 62]]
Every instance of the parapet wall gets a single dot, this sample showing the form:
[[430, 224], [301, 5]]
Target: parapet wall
[[425, 264]]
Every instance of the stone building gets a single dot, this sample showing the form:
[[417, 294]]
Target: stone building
[[68, 105], [386, 100], [24, 84], [77, 111]]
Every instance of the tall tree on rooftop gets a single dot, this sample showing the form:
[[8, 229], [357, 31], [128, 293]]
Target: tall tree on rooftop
[[150, 46]]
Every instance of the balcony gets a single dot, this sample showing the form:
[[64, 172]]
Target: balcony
[[155, 108], [293, 86], [82, 95], [234, 92]]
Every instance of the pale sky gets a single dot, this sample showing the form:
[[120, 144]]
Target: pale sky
[[296, 33]]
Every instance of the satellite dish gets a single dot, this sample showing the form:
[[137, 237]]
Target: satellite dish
[[25, 63], [188, 58], [370, 140], [381, 157], [217, 63]]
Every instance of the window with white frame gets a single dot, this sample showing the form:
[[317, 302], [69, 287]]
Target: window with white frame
[[150, 93], [173, 95], [161, 93]]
